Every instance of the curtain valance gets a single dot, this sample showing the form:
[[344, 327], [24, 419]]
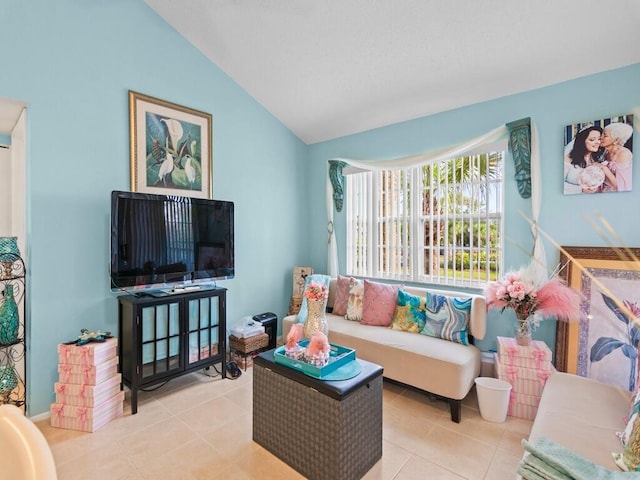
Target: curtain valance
[[522, 144]]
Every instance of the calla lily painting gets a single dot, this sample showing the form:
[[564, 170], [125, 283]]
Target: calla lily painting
[[170, 148]]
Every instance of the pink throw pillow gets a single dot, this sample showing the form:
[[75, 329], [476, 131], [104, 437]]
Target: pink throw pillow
[[342, 296], [378, 303]]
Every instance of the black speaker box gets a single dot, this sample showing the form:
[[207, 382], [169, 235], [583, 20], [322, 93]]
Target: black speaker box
[[270, 323]]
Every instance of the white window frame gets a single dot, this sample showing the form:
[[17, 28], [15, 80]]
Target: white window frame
[[365, 186]]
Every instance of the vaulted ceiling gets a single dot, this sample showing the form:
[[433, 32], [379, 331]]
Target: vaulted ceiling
[[328, 68]]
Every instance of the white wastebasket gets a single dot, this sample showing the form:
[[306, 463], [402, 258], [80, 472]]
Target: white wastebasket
[[493, 398]]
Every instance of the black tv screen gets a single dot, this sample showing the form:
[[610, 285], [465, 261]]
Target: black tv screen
[[160, 241]]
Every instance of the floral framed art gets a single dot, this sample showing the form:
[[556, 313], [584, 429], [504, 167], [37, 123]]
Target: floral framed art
[[598, 155], [171, 148], [603, 343]]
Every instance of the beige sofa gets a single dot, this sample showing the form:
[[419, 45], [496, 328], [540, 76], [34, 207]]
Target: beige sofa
[[437, 366], [582, 415]]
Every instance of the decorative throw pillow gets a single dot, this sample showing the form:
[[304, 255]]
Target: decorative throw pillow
[[354, 304], [342, 296], [318, 278], [629, 459], [410, 314], [447, 317], [633, 412], [378, 303]]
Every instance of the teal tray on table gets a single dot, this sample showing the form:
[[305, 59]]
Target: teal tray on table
[[338, 357]]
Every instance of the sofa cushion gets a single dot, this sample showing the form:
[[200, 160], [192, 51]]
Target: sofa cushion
[[318, 278], [342, 296], [378, 303], [447, 317], [354, 304], [583, 415], [410, 314]]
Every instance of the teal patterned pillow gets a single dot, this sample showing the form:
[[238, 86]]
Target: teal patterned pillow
[[447, 317], [410, 315]]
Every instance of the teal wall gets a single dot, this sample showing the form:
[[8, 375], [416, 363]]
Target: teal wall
[[564, 218], [73, 63]]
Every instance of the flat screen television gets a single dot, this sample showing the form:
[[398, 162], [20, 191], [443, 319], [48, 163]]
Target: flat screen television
[[165, 242]]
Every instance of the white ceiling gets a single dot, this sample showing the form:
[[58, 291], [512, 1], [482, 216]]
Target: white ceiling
[[329, 68]]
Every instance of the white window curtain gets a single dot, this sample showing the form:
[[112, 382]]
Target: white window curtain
[[495, 135]]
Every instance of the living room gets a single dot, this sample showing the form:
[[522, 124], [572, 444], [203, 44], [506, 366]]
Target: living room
[[72, 64]]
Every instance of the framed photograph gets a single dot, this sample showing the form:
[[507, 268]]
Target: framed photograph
[[603, 343], [598, 156], [299, 277], [170, 148]]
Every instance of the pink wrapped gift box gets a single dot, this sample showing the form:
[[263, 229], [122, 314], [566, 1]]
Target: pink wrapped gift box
[[529, 381], [536, 356], [93, 353], [88, 374], [87, 395], [521, 410], [524, 399], [86, 419]]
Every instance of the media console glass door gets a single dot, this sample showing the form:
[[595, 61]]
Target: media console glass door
[[162, 338]]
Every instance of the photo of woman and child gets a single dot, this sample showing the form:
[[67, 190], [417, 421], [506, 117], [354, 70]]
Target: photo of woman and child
[[599, 156]]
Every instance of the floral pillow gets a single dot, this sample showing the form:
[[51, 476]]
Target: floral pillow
[[378, 303], [447, 317], [342, 296], [410, 314], [318, 278], [354, 303], [629, 459]]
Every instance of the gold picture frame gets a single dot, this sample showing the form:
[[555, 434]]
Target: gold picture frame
[[171, 148], [601, 344]]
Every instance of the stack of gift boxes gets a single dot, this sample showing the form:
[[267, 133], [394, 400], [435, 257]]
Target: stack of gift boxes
[[88, 392], [526, 368]]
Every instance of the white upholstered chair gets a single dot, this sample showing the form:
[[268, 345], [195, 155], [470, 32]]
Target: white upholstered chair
[[25, 453]]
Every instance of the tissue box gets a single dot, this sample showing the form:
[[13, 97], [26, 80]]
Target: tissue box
[[536, 356], [93, 353], [87, 395], [86, 419], [247, 328], [88, 374]]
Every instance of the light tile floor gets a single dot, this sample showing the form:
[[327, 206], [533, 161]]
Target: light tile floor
[[198, 427]]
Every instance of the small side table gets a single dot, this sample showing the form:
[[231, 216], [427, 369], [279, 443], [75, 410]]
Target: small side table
[[249, 346], [326, 430]]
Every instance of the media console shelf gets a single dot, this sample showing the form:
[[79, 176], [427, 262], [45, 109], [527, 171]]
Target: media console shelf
[[161, 338]]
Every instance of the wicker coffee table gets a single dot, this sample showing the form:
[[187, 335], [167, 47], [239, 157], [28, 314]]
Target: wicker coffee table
[[323, 429]]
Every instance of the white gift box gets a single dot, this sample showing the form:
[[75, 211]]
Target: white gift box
[[92, 353], [88, 374], [85, 395], [86, 419]]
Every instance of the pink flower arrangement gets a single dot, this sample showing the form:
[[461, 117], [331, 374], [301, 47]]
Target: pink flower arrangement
[[316, 291], [318, 350], [530, 293], [294, 336]]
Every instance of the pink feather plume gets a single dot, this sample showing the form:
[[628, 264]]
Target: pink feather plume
[[555, 299]]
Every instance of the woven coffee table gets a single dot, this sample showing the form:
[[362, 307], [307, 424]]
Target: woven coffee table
[[323, 429]]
